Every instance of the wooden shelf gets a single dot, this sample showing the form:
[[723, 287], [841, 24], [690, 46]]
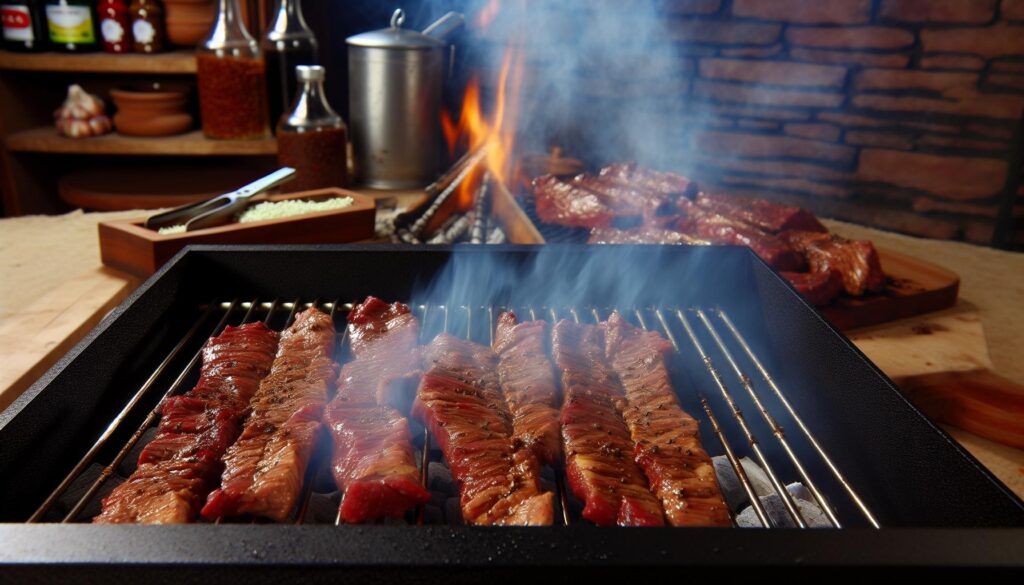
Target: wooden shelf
[[175, 62], [47, 140]]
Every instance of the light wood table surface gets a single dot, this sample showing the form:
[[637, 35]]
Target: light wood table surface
[[53, 289]]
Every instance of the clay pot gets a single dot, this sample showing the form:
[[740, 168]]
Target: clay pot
[[151, 110], [188, 21]]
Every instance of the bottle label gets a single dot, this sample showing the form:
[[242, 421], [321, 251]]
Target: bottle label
[[70, 24], [111, 30], [143, 31], [17, 21]]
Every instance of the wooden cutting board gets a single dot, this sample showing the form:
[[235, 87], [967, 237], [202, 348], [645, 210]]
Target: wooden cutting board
[[942, 364]]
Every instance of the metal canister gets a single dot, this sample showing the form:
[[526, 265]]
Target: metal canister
[[396, 77]]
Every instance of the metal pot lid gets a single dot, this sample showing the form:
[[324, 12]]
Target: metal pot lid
[[395, 37]]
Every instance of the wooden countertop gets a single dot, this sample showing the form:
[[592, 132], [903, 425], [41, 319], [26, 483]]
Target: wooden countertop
[[53, 289]]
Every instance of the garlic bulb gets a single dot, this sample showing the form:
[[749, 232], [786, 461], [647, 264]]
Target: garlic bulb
[[82, 114]]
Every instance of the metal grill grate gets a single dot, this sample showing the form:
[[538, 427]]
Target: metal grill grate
[[707, 334]]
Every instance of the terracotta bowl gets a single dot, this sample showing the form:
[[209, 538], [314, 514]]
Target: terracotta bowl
[[151, 110]]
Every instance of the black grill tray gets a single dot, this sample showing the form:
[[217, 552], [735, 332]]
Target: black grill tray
[[938, 505]]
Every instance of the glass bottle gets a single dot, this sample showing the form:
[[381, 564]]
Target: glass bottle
[[72, 25], [312, 138], [114, 26], [230, 72], [24, 25], [289, 42], [147, 26]]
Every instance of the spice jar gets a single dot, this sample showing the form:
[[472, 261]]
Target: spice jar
[[289, 42], [148, 26], [114, 27], [230, 72], [312, 138]]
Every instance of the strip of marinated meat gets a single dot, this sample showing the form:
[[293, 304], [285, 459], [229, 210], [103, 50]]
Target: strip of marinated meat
[[856, 261], [459, 399], [566, 204], [666, 439], [598, 448], [641, 235], [625, 200], [179, 467], [374, 463], [528, 381], [704, 224], [386, 369], [373, 460], [265, 467], [820, 288], [663, 183], [766, 215]]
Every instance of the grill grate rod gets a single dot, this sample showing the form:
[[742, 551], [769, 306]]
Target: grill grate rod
[[800, 423], [777, 429], [87, 459], [737, 413], [109, 470]]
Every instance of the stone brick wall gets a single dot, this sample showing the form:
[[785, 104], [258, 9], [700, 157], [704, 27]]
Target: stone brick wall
[[904, 114]]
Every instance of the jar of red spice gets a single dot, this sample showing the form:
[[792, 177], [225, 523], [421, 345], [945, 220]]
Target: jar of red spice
[[312, 138], [231, 79], [114, 26]]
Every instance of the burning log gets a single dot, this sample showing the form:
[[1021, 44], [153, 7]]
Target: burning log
[[480, 211], [454, 178]]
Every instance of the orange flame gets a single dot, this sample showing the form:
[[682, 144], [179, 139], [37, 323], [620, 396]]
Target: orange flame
[[496, 135]]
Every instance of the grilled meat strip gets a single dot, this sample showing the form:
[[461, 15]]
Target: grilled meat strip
[[180, 465], [763, 214], [820, 288], [265, 467], [666, 438], [707, 225], [566, 204], [384, 339], [459, 399], [643, 178], [856, 261], [528, 381], [598, 447], [373, 462]]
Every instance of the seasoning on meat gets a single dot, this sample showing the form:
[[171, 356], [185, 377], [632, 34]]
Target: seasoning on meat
[[704, 224], [666, 439], [856, 261], [373, 460], [765, 215], [180, 465], [528, 381], [265, 467], [566, 204], [459, 399], [598, 447], [820, 288]]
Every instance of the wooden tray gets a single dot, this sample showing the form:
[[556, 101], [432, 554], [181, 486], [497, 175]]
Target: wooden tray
[[915, 286], [129, 246]]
